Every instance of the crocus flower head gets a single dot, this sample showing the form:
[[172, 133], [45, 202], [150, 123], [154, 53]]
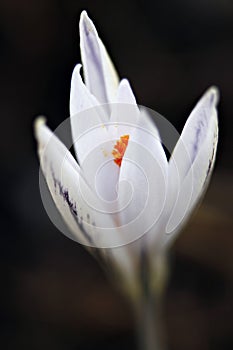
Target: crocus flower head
[[120, 187]]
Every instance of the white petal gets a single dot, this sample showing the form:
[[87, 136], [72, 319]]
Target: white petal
[[63, 175], [75, 201], [81, 100], [125, 93], [84, 213], [194, 133], [100, 75], [80, 97], [93, 139], [125, 112], [192, 161], [142, 182], [86, 115], [100, 170], [97, 161]]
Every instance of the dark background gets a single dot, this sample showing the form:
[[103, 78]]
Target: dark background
[[53, 294]]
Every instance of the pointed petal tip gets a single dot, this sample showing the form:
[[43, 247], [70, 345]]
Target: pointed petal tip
[[40, 121], [84, 14], [213, 95], [83, 17], [125, 94], [124, 83], [76, 70], [100, 75], [85, 24]]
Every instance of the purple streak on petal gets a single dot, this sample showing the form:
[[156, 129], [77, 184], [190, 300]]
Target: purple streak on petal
[[72, 206], [91, 47], [197, 140]]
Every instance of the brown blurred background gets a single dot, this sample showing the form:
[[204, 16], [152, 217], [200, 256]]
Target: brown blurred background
[[53, 294]]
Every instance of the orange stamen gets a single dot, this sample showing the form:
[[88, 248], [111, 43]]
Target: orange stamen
[[119, 149]]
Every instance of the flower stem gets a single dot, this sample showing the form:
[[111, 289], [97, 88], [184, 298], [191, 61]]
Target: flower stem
[[149, 316], [150, 335]]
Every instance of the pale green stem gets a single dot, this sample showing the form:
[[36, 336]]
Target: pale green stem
[[150, 335], [149, 310]]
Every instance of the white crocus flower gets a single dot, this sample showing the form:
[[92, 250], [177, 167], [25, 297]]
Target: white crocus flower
[[122, 188]]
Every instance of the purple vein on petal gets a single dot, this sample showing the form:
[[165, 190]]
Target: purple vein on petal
[[64, 193], [95, 59]]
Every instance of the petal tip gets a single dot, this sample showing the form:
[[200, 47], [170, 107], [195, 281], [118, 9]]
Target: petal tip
[[124, 82], [40, 121], [76, 70], [213, 94], [83, 14], [86, 25], [125, 93], [84, 17]]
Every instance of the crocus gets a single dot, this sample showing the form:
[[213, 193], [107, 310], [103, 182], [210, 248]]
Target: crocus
[[121, 193]]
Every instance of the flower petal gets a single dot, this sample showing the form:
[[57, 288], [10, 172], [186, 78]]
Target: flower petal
[[194, 133], [125, 112], [93, 138], [100, 75], [76, 202], [142, 182], [80, 97], [125, 93], [100, 170], [192, 161], [99, 166], [86, 114]]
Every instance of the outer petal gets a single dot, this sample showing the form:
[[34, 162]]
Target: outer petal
[[192, 161], [202, 119], [83, 212], [76, 202], [100, 75], [78, 206]]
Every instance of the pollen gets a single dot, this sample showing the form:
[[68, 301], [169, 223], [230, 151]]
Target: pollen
[[119, 149]]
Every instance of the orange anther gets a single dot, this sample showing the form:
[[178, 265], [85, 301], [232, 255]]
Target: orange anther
[[119, 149]]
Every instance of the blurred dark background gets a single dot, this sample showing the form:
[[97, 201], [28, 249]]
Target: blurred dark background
[[53, 294]]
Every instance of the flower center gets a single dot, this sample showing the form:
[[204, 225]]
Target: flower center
[[119, 149]]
